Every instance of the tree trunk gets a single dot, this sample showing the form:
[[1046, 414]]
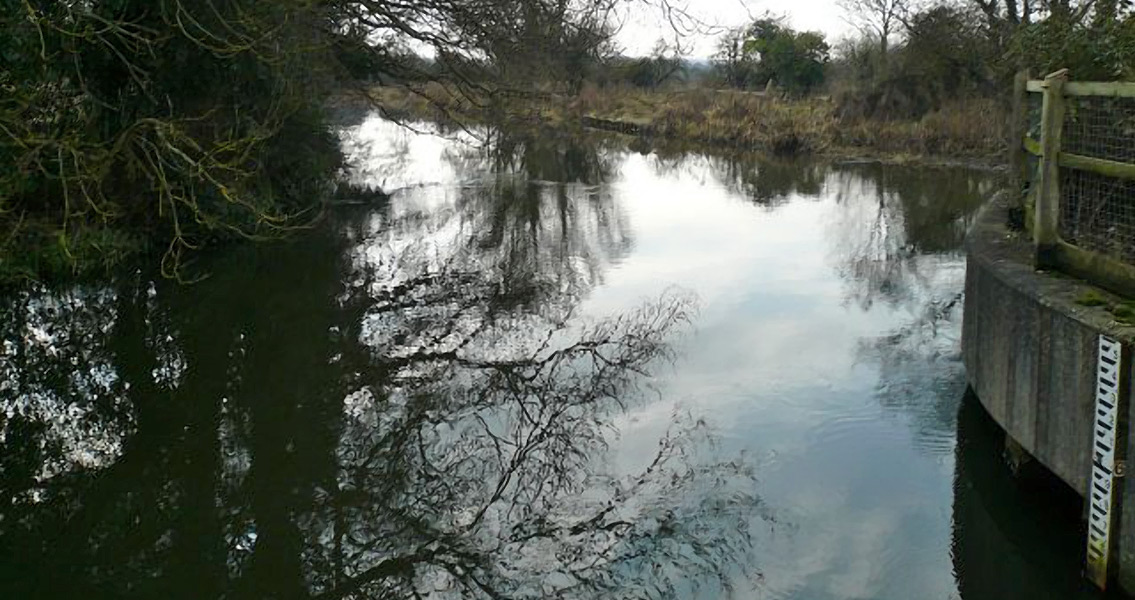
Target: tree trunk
[[884, 44]]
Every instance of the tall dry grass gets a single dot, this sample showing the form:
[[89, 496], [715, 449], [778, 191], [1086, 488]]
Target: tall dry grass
[[749, 120], [964, 127], [728, 118]]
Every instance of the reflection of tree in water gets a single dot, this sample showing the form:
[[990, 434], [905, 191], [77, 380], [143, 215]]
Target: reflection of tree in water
[[531, 238], [388, 156], [385, 156], [763, 180], [870, 242], [467, 469], [920, 371], [435, 428], [62, 406], [898, 237], [499, 403], [770, 182], [890, 219], [549, 156]]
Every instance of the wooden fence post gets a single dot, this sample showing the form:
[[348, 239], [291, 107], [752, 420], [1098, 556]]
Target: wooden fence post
[[1045, 230], [1018, 129]]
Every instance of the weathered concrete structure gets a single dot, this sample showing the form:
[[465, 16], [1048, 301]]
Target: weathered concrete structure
[[1030, 348]]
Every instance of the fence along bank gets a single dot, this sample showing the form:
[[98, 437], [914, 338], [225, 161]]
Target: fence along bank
[[1047, 336]]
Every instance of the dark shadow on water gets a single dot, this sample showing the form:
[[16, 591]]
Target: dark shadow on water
[[399, 404], [406, 401], [1015, 537]]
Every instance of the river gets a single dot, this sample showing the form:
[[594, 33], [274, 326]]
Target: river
[[545, 367]]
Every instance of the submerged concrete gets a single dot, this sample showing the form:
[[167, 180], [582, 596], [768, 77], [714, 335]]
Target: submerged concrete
[[1030, 348]]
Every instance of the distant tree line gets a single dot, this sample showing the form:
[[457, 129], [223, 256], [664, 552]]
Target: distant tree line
[[909, 57]]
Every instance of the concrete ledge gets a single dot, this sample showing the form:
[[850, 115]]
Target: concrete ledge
[[1030, 353]]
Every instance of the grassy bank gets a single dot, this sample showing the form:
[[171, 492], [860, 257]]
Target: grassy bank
[[966, 129]]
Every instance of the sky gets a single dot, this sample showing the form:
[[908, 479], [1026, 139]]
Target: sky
[[645, 24]]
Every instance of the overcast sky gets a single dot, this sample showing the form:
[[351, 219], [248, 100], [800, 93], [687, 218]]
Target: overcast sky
[[645, 25]]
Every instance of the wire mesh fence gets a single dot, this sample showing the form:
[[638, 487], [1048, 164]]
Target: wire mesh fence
[[1096, 211], [1100, 127]]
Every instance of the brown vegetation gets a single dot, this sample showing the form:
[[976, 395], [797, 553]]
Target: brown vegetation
[[751, 120]]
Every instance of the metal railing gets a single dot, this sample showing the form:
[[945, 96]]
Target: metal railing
[[1078, 163]]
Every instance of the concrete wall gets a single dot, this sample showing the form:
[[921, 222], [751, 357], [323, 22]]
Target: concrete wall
[[1030, 353]]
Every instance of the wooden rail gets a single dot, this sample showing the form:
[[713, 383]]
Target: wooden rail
[[1052, 251], [1115, 89], [1100, 166]]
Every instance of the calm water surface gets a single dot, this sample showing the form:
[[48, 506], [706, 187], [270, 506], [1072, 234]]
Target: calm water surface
[[544, 368]]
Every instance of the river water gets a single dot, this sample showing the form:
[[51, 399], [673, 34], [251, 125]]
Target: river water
[[545, 367]]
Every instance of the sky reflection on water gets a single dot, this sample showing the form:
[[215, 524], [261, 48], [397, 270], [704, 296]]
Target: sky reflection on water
[[546, 366]]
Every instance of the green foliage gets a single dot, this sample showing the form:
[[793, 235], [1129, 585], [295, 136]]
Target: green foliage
[[948, 48], [1091, 50], [973, 49], [182, 120], [178, 122], [792, 59], [652, 71], [947, 55], [769, 51], [731, 65], [1124, 312]]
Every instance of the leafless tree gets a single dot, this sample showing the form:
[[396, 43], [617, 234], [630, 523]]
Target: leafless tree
[[731, 58], [877, 18]]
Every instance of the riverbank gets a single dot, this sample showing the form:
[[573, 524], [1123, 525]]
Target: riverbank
[[721, 123], [967, 131]]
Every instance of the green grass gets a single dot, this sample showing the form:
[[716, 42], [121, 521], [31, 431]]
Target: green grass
[[1091, 298], [1124, 312]]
